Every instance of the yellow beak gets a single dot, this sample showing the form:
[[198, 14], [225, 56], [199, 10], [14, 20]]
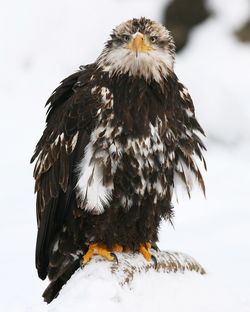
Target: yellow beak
[[139, 44]]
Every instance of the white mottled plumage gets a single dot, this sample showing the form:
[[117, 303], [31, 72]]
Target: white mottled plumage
[[59, 141], [90, 187], [144, 149]]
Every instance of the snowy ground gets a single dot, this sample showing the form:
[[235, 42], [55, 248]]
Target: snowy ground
[[42, 42]]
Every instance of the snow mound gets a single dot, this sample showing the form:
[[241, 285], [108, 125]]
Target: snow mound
[[104, 284], [98, 287]]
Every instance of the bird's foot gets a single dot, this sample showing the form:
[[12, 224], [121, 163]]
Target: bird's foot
[[144, 250], [101, 250]]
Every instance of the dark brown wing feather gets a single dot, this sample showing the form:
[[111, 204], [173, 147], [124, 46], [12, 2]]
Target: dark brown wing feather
[[69, 116]]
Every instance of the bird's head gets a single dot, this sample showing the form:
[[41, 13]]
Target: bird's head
[[141, 48]]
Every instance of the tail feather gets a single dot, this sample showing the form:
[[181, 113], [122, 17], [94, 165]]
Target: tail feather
[[53, 290]]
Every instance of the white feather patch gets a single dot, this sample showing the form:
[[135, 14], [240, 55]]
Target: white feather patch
[[56, 246], [90, 185], [184, 93], [154, 64]]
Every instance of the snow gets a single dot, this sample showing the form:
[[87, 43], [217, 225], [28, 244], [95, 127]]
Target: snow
[[42, 42]]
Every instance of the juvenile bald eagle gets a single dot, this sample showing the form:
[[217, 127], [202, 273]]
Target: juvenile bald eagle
[[119, 135]]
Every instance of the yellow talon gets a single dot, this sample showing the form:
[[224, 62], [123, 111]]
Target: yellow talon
[[102, 251], [144, 250], [96, 249], [86, 258]]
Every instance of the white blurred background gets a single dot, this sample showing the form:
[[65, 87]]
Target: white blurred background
[[44, 41]]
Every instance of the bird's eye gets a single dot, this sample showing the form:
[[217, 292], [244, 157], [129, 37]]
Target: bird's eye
[[125, 38], [153, 39]]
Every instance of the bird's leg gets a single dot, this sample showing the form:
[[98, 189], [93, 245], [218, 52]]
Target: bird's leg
[[102, 250]]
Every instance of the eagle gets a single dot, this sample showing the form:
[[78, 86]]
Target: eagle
[[120, 134]]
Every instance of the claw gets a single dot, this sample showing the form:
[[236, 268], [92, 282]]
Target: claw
[[115, 257], [82, 265], [155, 261], [155, 247]]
